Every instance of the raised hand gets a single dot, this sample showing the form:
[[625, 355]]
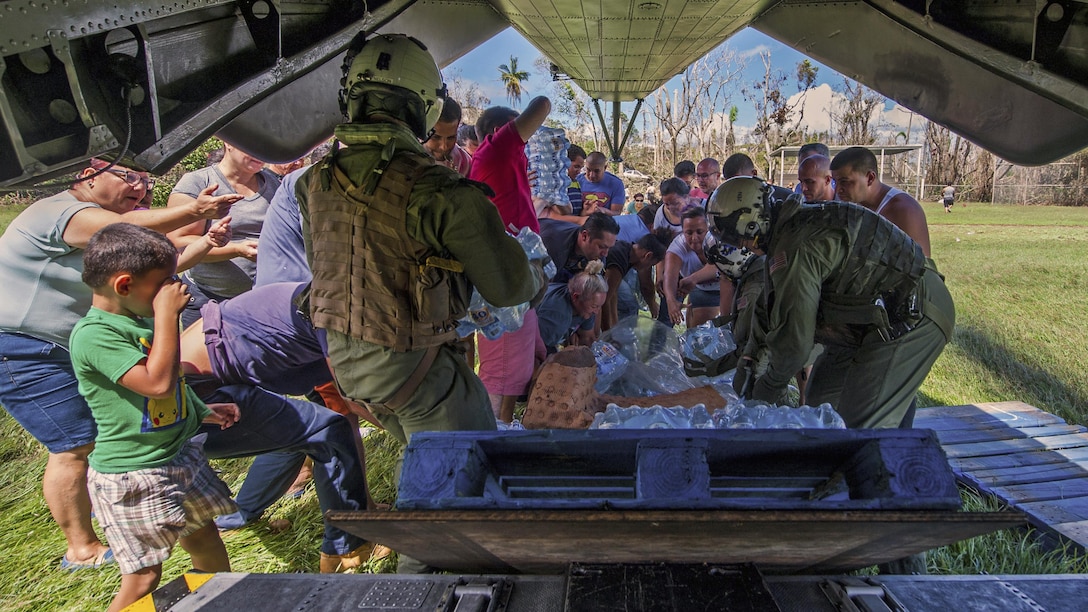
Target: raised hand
[[208, 206], [219, 233]]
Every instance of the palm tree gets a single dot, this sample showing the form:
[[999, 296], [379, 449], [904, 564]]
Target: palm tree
[[512, 78]]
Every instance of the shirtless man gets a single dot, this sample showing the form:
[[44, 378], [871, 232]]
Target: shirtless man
[[854, 171]]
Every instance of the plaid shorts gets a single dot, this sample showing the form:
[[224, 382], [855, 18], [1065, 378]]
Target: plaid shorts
[[145, 512]]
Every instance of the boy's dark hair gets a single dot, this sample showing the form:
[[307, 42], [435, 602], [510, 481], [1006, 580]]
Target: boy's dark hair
[[451, 111], [124, 247], [656, 242], [598, 224], [574, 152], [493, 119], [466, 133]]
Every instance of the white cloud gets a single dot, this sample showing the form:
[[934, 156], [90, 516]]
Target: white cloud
[[821, 102], [754, 52]]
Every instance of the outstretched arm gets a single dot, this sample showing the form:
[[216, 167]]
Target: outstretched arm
[[218, 235], [533, 117], [86, 222], [610, 311]]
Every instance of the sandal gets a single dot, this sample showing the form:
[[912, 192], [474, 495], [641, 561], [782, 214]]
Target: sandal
[[97, 563]]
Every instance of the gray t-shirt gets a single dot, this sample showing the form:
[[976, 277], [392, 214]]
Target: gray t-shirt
[[230, 278], [690, 262], [44, 294]]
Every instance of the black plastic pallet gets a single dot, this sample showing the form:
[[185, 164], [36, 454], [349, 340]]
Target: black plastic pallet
[[678, 469]]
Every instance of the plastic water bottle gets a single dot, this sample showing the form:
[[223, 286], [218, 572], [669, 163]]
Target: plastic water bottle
[[534, 249], [491, 321], [465, 327], [547, 154], [485, 320], [510, 318], [611, 364]]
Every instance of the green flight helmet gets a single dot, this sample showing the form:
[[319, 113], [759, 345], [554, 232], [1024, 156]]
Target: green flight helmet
[[398, 61], [739, 210]]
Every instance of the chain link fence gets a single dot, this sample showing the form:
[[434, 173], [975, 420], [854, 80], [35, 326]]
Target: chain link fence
[[1060, 184]]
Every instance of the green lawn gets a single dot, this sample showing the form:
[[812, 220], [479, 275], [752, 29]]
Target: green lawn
[[1018, 276]]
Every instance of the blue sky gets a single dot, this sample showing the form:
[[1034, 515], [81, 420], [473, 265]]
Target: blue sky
[[481, 65]]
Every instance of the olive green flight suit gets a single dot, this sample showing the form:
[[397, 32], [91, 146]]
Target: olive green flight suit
[[845, 277]]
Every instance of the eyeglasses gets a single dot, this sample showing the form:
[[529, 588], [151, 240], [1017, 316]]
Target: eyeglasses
[[703, 176], [132, 178], [638, 199]]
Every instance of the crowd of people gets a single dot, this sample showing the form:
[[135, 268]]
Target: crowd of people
[[142, 342]]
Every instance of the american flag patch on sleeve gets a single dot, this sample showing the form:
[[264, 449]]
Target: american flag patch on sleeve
[[779, 261]]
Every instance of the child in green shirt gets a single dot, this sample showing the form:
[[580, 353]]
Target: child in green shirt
[[149, 479]]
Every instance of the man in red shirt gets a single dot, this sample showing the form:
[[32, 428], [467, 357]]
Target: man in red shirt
[[506, 364], [500, 162]]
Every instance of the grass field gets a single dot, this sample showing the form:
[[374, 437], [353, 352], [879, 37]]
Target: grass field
[[1017, 274]]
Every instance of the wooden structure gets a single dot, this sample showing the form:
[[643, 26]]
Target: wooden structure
[[1031, 459]]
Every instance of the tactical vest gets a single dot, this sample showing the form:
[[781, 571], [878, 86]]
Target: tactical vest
[[875, 289], [372, 281]]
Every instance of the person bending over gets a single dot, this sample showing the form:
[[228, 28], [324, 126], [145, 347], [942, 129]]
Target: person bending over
[[568, 311]]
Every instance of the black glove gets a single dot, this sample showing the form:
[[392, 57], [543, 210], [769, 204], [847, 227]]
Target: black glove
[[713, 368]]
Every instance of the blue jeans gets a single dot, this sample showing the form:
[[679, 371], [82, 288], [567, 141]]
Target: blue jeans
[[38, 389], [271, 422], [626, 303], [198, 297], [269, 478]]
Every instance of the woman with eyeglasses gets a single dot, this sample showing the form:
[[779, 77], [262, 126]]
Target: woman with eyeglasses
[[230, 270], [41, 264], [637, 203]]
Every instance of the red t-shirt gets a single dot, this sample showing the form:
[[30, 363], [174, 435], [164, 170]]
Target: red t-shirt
[[500, 162]]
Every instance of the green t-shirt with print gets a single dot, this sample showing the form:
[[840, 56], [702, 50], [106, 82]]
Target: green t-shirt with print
[[134, 432]]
